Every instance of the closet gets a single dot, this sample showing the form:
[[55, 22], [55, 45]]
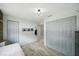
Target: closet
[[60, 35]]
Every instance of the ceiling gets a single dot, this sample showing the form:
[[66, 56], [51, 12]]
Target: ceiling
[[28, 11]]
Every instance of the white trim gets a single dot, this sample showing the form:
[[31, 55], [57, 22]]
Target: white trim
[[44, 33]]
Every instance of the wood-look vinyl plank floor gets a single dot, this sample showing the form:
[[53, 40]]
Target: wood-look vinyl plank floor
[[38, 49]]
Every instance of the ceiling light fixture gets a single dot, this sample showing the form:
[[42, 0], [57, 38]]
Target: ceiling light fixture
[[38, 12]]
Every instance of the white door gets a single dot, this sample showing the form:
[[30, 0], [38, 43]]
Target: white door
[[13, 31]]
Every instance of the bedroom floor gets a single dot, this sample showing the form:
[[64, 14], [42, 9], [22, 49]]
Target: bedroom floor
[[37, 49]]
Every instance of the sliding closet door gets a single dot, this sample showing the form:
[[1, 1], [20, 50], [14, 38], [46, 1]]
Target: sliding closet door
[[13, 31], [60, 35]]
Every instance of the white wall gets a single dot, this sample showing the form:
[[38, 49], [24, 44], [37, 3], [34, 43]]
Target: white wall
[[40, 31], [24, 37]]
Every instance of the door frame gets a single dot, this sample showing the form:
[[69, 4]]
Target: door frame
[[18, 28]]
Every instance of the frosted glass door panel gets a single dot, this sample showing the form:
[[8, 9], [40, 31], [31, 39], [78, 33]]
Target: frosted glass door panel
[[60, 35]]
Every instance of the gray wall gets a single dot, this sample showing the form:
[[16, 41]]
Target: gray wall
[[60, 35]]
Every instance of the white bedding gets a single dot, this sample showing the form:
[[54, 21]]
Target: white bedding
[[11, 50]]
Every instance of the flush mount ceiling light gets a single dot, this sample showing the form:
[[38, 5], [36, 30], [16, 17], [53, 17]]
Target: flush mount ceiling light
[[38, 11]]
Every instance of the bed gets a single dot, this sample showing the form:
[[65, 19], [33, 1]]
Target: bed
[[11, 50]]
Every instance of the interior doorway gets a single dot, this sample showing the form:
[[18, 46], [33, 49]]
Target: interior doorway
[[13, 31]]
